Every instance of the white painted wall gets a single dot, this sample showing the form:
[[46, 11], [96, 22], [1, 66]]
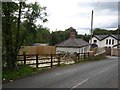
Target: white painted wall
[[98, 42], [103, 42], [72, 50]]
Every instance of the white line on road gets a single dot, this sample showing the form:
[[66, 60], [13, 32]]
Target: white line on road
[[79, 84], [104, 70]]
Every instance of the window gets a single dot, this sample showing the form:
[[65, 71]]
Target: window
[[112, 41], [95, 41], [109, 41], [106, 41]]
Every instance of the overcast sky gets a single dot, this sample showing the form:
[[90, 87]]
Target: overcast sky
[[63, 14]]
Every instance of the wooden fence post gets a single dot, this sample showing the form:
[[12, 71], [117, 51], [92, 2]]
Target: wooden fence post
[[84, 56], [58, 59], [89, 56], [51, 61], [36, 60], [24, 54], [78, 56]]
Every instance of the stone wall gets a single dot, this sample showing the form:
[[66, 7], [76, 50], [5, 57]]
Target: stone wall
[[115, 51]]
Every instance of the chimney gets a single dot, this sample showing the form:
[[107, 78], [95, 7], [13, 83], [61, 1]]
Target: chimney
[[72, 32]]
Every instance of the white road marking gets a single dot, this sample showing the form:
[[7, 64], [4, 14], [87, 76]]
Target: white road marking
[[104, 70], [79, 84]]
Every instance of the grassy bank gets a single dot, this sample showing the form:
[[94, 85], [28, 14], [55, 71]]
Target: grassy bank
[[23, 71]]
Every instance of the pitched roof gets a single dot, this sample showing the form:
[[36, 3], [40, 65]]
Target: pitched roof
[[101, 37], [116, 36], [73, 43]]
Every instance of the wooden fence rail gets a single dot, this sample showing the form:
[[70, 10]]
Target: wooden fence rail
[[53, 58]]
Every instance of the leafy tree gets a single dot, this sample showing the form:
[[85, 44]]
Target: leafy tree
[[55, 38], [18, 24], [43, 35], [8, 17], [58, 36]]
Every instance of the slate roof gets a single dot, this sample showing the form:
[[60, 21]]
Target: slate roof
[[101, 37], [116, 36], [73, 42]]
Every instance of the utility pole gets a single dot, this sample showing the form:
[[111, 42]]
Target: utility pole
[[118, 30], [91, 31]]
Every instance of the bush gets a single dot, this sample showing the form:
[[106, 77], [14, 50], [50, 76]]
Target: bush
[[97, 57]]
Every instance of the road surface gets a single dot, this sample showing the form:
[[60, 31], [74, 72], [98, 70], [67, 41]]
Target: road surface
[[97, 74]]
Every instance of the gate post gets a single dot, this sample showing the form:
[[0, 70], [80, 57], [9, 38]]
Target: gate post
[[36, 60], [51, 61], [78, 55], [24, 54], [58, 59]]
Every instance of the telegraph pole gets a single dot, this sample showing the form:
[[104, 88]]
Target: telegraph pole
[[118, 30], [91, 31]]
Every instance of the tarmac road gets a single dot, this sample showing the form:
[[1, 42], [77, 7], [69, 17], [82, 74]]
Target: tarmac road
[[97, 74]]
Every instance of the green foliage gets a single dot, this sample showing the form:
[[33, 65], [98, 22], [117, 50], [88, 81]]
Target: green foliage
[[97, 57], [55, 38], [43, 35], [98, 31], [58, 36], [19, 27], [84, 37], [23, 71]]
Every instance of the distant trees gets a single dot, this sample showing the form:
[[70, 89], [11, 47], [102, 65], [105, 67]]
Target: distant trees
[[85, 37], [42, 35], [58, 36], [98, 31]]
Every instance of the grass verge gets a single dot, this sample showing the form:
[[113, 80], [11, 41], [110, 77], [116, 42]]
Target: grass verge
[[23, 71]]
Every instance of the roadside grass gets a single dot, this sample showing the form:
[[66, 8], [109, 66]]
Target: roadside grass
[[25, 71]]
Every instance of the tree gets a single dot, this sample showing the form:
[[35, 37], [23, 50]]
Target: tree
[[55, 38], [98, 31], [18, 23], [8, 17], [43, 35], [58, 36]]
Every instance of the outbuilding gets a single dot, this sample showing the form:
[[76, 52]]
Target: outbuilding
[[72, 44]]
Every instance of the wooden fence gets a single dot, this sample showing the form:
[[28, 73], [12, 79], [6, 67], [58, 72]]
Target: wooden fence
[[49, 60], [38, 50]]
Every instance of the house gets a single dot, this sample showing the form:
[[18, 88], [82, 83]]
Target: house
[[72, 44], [116, 46], [105, 41]]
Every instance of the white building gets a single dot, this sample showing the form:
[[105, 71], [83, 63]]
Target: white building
[[72, 44], [105, 40]]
